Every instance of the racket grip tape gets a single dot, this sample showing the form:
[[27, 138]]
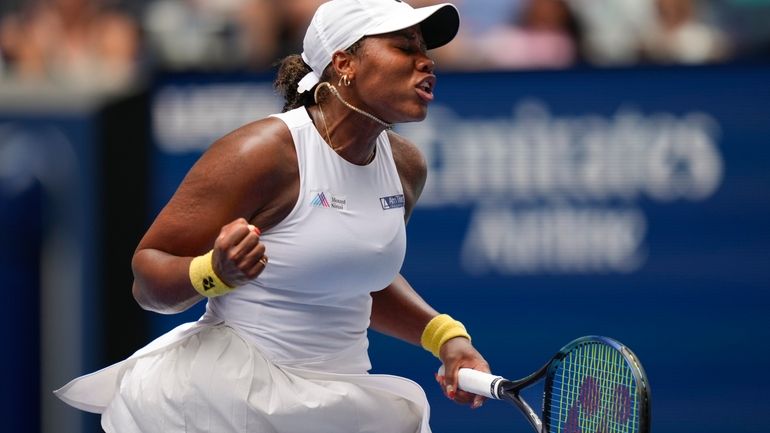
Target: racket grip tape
[[478, 382]]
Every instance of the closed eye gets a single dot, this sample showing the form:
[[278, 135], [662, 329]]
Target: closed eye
[[410, 43]]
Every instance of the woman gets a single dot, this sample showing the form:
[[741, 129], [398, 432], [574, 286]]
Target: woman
[[302, 215]]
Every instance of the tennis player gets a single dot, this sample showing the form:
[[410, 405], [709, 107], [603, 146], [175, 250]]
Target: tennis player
[[292, 228]]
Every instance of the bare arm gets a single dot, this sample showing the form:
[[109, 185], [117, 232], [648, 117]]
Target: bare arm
[[413, 312], [399, 311], [247, 177]]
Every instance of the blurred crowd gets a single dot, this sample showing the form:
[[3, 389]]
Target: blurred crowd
[[112, 43]]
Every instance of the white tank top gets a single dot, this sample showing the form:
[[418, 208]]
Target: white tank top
[[344, 238]]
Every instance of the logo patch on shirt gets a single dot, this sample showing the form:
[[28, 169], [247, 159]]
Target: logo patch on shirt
[[328, 200], [392, 201]]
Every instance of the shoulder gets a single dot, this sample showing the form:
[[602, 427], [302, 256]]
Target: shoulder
[[257, 155], [409, 159], [262, 149], [270, 133], [412, 168]]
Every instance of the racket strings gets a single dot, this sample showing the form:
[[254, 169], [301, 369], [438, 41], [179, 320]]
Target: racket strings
[[593, 390]]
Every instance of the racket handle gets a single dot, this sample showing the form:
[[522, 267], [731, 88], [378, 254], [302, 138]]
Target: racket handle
[[478, 382]]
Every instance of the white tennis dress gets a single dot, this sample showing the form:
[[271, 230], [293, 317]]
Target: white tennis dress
[[286, 353]]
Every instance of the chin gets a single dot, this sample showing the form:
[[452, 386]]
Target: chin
[[409, 114], [411, 120], [417, 115]]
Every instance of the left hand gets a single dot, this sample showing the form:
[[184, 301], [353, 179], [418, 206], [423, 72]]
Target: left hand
[[459, 353]]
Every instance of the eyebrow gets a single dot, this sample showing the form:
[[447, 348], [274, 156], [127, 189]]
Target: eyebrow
[[409, 36], [406, 34]]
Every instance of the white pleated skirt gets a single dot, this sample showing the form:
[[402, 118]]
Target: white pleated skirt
[[208, 378]]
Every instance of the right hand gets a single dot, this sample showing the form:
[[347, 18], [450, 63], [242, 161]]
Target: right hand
[[459, 353], [238, 256]]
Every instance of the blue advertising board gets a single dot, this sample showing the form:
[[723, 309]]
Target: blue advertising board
[[631, 203]]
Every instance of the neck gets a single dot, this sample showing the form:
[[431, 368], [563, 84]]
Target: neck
[[349, 133]]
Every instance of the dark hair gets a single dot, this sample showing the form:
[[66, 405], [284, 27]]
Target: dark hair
[[291, 69]]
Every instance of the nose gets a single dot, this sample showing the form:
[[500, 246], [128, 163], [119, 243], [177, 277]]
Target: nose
[[426, 64]]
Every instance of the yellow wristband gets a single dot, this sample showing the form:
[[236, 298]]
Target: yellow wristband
[[204, 279], [439, 330]]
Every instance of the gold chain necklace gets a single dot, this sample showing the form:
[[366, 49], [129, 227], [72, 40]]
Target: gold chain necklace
[[349, 105], [326, 127]]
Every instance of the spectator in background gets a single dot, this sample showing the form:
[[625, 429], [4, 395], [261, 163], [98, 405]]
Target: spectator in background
[[293, 17], [613, 29], [680, 36], [79, 43], [545, 37], [478, 17], [212, 34], [481, 15], [520, 34], [2, 61]]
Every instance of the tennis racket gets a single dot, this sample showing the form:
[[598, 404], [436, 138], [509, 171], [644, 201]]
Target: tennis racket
[[593, 384]]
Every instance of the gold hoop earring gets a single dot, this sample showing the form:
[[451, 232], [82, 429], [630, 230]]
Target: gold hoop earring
[[344, 81]]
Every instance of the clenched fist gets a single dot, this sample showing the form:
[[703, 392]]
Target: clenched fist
[[239, 256]]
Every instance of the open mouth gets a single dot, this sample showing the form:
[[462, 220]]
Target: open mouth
[[425, 88]]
